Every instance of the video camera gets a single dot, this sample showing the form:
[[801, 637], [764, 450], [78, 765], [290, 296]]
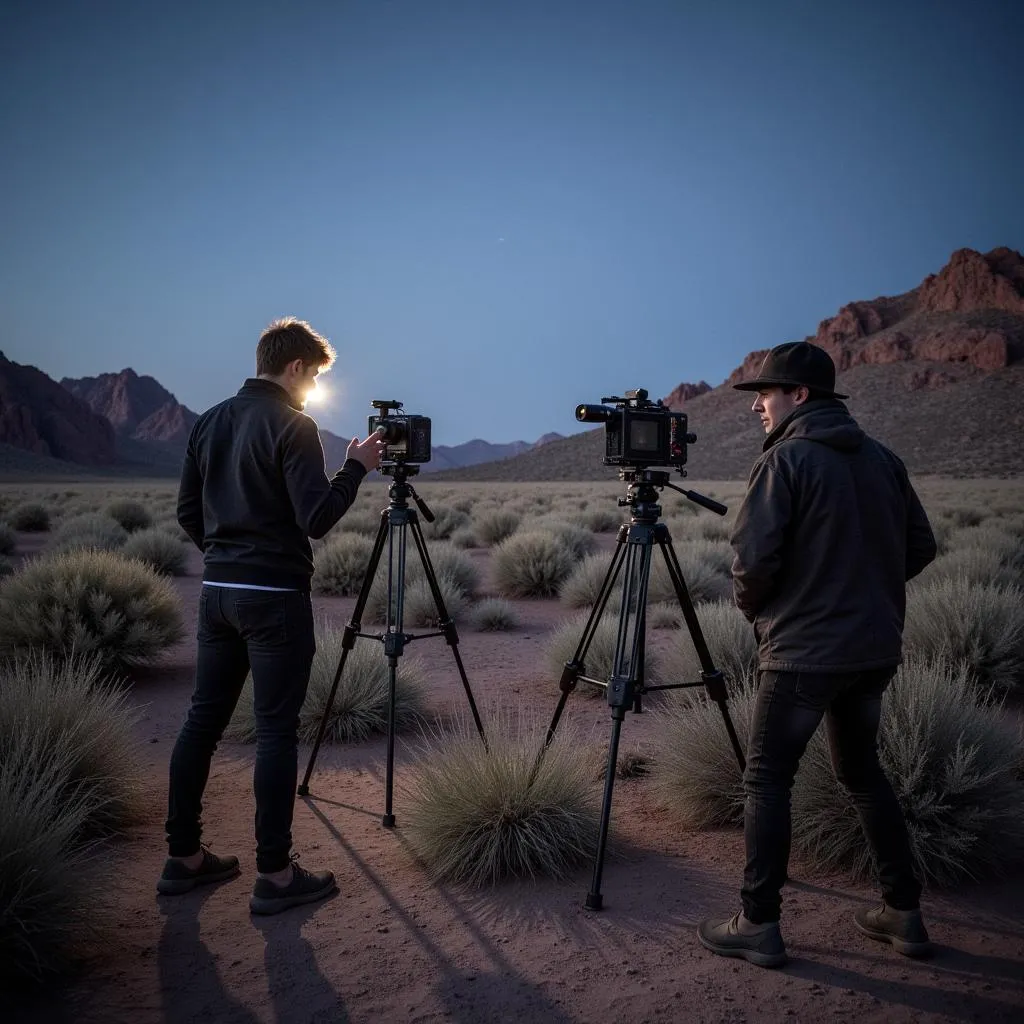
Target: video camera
[[640, 433], [406, 437]]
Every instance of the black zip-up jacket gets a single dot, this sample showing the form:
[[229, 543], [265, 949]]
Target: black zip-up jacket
[[254, 489], [827, 535]]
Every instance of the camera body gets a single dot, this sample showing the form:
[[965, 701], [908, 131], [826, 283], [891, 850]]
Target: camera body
[[406, 437], [638, 432]]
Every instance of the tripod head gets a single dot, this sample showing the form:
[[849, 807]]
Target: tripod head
[[642, 496]]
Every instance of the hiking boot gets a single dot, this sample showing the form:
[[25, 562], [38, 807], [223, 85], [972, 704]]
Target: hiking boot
[[902, 929], [764, 948], [177, 878], [305, 887]]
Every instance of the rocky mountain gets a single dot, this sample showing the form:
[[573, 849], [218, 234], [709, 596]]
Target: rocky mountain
[[37, 415], [936, 373]]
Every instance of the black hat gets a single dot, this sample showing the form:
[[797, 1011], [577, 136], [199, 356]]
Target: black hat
[[795, 363]]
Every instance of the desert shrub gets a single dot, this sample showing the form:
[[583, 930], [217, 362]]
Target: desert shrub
[[494, 526], [702, 575], [131, 515], [960, 516], [452, 568], [579, 541], [84, 719], [8, 539], [158, 549], [340, 564], [446, 522], [583, 585], [598, 519], [532, 564], [600, 656], [713, 528], [980, 624], [464, 538], [47, 874], [360, 707], [89, 602], [30, 517], [481, 814], [91, 530], [695, 773], [974, 565], [360, 520], [494, 615], [664, 615], [953, 761], [421, 608], [730, 640]]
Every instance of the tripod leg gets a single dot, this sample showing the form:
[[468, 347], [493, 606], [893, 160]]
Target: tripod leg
[[594, 899], [714, 681], [347, 643], [394, 645], [446, 624], [388, 821]]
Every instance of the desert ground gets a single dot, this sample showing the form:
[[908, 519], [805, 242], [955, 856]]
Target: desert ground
[[396, 945]]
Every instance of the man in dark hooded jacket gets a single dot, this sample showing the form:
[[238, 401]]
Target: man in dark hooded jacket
[[828, 534]]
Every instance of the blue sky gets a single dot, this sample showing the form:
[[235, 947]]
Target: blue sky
[[495, 210]]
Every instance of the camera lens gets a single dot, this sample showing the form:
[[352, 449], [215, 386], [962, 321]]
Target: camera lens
[[594, 413]]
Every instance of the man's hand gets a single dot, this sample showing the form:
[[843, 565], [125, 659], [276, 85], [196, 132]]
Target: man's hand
[[368, 452]]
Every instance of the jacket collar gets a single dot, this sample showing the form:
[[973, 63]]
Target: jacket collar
[[268, 389]]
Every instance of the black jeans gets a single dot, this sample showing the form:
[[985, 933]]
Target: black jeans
[[270, 632], [788, 708]]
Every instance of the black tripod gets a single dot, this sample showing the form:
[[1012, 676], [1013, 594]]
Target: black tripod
[[393, 522], [626, 687]]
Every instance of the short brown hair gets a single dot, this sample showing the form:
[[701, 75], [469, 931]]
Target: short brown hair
[[289, 339]]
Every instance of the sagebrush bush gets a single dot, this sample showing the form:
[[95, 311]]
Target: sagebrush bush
[[360, 520], [494, 615], [360, 707], [494, 526], [703, 576], [730, 640], [600, 655], [340, 564], [479, 815], [421, 608], [89, 530], [579, 541], [974, 565], [158, 549], [454, 570], [131, 515], [599, 519], [30, 517], [953, 761], [8, 539], [446, 522], [48, 877], [583, 584], [89, 602], [665, 616], [534, 563], [980, 624], [84, 719], [464, 537]]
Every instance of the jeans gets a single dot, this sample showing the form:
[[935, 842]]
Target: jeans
[[787, 710], [271, 633]]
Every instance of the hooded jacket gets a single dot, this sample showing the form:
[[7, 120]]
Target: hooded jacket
[[254, 489], [829, 532]]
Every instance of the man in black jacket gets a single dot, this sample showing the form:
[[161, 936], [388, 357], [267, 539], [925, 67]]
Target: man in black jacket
[[828, 534], [253, 491]]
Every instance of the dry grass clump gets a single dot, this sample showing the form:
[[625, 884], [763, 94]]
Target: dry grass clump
[[446, 521], [131, 515], [535, 563], [464, 538], [599, 519], [162, 551], [360, 707], [583, 585], [979, 624], [421, 608], [577, 539], [8, 539], [90, 530], [359, 520], [29, 517], [457, 578], [954, 762], [600, 656], [479, 815], [494, 615], [340, 564], [702, 573], [89, 602], [730, 640], [492, 527]]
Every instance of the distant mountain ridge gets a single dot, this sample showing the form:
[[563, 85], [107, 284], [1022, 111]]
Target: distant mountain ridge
[[936, 373]]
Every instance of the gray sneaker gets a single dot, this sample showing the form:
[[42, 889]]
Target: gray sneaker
[[177, 879], [903, 929], [766, 948], [305, 887]]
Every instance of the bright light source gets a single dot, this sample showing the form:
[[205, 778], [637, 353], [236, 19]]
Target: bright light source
[[317, 395]]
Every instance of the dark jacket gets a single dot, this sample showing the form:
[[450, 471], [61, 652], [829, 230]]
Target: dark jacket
[[254, 489], [827, 535]]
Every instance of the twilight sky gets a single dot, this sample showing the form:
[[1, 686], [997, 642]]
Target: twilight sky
[[495, 209]]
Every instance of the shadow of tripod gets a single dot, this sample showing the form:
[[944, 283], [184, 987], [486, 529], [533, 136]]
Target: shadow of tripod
[[626, 687], [396, 521]]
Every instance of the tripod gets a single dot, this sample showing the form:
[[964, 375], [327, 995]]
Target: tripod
[[394, 521], [627, 685]]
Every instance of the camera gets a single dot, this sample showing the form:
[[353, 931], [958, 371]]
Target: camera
[[406, 437], [638, 432]]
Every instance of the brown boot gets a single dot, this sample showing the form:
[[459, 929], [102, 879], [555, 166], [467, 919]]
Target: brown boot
[[902, 929]]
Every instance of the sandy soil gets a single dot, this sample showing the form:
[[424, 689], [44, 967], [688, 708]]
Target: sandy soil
[[394, 946]]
